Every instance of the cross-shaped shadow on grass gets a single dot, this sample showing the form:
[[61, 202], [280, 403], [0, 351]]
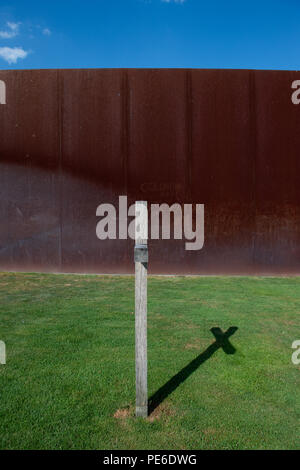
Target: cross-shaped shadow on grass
[[222, 341]]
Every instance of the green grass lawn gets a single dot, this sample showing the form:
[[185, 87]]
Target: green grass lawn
[[69, 381]]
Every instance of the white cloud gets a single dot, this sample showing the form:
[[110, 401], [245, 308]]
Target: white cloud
[[173, 1], [13, 26], [46, 32], [11, 32], [12, 54]]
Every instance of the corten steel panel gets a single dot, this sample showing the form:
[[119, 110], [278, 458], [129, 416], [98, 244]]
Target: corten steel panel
[[277, 242], [223, 169], [71, 140], [93, 167], [29, 162], [158, 168]]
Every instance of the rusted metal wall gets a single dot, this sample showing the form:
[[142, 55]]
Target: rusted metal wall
[[73, 139]]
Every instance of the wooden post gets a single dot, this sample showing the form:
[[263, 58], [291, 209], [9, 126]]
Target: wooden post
[[2, 353], [2, 92], [141, 268]]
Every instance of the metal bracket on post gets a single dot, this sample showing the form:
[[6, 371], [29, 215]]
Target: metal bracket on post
[[141, 268], [141, 254]]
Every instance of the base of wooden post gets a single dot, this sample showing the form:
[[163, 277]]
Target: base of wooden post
[[141, 411]]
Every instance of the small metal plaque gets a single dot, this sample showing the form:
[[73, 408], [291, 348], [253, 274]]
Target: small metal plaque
[[141, 254]]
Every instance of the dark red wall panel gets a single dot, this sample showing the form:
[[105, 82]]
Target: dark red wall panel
[[277, 175], [29, 169], [222, 168], [73, 139], [158, 149], [92, 170]]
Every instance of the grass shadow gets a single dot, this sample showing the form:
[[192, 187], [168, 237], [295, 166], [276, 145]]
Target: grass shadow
[[222, 341]]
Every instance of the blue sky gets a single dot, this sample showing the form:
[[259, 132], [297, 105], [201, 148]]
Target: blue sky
[[256, 34]]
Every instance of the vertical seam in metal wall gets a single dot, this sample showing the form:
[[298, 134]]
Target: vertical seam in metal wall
[[125, 129], [189, 133], [125, 142], [253, 146], [60, 132]]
